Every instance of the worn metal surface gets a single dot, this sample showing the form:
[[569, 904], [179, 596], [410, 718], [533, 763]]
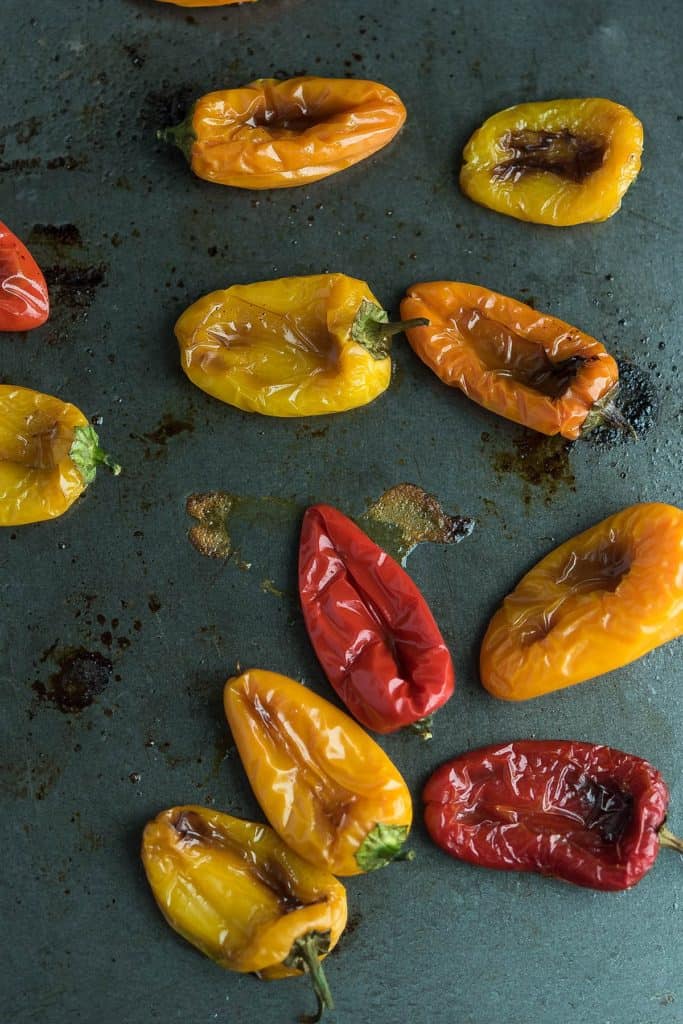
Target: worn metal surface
[[86, 84]]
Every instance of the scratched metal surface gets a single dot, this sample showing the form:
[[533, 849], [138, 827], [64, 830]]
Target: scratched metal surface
[[86, 85]]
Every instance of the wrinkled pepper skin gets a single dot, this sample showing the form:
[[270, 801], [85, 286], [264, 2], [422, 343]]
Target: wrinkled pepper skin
[[237, 893], [559, 162], [24, 300], [48, 455], [296, 346], [370, 626], [325, 787], [599, 601], [583, 813], [524, 365], [279, 134]]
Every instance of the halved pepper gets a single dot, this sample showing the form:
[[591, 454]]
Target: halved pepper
[[49, 454], [370, 626], [24, 300], [527, 366], [329, 791], [296, 346], [277, 134], [599, 601], [559, 162], [241, 896], [585, 813]]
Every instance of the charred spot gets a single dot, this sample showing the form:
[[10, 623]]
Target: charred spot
[[638, 402], [569, 156], [55, 235], [82, 676], [153, 603], [540, 461], [167, 107]]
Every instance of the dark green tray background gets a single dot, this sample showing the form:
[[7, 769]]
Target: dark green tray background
[[85, 85]]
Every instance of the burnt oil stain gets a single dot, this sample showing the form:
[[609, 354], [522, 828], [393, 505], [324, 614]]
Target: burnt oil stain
[[81, 677], [169, 427], [638, 403], [406, 515], [539, 461], [55, 235], [168, 106]]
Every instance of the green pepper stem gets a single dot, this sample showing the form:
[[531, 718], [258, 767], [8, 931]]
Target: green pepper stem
[[606, 413], [667, 838], [373, 330], [423, 727], [305, 956], [182, 136], [87, 455], [382, 845]]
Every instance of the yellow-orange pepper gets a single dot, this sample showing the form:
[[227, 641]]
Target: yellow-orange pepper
[[329, 791], [297, 346], [277, 134], [599, 601], [527, 366], [559, 162], [49, 453], [237, 893]]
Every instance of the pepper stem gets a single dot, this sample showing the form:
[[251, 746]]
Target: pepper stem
[[182, 136], [382, 845], [305, 956], [373, 330], [423, 727], [86, 454], [667, 838], [606, 413]]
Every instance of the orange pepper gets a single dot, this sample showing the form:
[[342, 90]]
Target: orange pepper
[[329, 791], [274, 134], [527, 366], [599, 601], [559, 162]]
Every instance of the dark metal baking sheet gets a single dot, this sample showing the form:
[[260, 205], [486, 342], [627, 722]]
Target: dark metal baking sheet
[[86, 84]]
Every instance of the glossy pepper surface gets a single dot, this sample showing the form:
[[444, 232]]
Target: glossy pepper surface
[[586, 814], [277, 134], [49, 453], [599, 601], [559, 162], [296, 346], [237, 893], [326, 788], [370, 626], [524, 365], [24, 301]]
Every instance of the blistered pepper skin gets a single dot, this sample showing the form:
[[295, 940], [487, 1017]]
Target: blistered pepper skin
[[235, 891], [279, 134], [596, 603], [595, 146], [370, 626], [322, 783], [48, 455], [283, 347], [505, 356], [24, 300], [580, 812]]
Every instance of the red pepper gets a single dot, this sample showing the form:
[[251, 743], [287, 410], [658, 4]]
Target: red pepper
[[24, 301], [587, 814], [370, 626]]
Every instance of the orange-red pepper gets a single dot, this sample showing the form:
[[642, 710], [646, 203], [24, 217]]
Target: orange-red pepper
[[24, 301], [599, 601], [277, 134], [527, 366]]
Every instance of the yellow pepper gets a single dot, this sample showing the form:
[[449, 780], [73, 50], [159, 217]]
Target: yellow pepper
[[297, 346], [237, 893], [49, 453], [328, 790]]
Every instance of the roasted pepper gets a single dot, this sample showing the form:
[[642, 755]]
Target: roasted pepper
[[277, 134], [298, 346], [48, 455], [599, 601], [370, 627], [237, 893], [326, 788], [24, 301], [586, 814], [527, 366], [559, 162]]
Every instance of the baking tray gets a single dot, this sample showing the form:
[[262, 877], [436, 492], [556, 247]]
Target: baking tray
[[130, 238]]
